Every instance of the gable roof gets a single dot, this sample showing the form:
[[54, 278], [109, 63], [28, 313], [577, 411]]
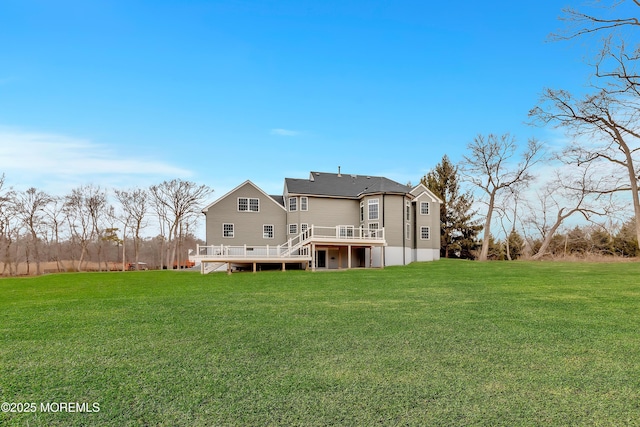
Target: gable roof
[[421, 190], [247, 182], [343, 185]]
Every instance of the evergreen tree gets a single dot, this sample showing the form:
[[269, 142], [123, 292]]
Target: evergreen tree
[[516, 244], [625, 243], [458, 229]]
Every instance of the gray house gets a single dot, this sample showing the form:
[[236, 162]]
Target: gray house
[[327, 221]]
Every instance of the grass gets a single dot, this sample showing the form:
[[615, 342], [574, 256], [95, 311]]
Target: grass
[[444, 343]]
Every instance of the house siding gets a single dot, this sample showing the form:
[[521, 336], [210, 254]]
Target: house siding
[[248, 226], [326, 212]]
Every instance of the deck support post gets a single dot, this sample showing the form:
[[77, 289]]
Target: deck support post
[[284, 268], [348, 256], [228, 268], [254, 267]]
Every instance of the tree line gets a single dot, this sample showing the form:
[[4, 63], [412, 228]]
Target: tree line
[[85, 230]]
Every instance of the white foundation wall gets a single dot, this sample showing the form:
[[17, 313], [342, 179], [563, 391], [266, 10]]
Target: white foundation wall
[[427, 254], [375, 255], [394, 256]]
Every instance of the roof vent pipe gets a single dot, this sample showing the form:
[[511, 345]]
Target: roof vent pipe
[[339, 172]]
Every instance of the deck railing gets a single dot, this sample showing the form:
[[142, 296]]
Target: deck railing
[[296, 247]]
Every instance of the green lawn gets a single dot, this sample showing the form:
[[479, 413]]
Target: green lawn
[[443, 343]]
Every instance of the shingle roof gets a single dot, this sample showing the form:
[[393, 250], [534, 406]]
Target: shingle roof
[[343, 185]]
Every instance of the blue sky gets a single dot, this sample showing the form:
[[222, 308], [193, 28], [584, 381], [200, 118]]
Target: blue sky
[[130, 93]]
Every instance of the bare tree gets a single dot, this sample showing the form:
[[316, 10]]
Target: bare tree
[[7, 210], [607, 118], [488, 167], [605, 130], [78, 212], [135, 206], [54, 212], [176, 202], [30, 206], [575, 192]]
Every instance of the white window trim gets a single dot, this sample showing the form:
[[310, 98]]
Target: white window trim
[[264, 233], [408, 211], [422, 229], [233, 231], [361, 211], [295, 200], [428, 208], [408, 231], [369, 204], [248, 199], [304, 204], [295, 226]]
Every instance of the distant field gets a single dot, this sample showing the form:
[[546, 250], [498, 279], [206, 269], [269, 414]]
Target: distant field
[[443, 343]]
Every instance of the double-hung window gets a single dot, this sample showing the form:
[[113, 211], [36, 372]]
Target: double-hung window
[[293, 228], [267, 231], [425, 233], [304, 203], [246, 204], [374, 209], [424, 208], [293, 204], [228, 231], [346, 230]]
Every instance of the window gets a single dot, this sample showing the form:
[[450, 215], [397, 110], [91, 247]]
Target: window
[[408, 209], [425, 233], [228, 230], [267, 231], [346, 230], [293, 228], [361, 211], [293, 204], [304, 204], [408, 231], [246, 204], [373, 209], [424, 208], [373, 229]]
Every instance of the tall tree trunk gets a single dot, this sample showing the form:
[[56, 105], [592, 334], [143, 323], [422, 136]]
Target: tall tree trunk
[[484, 253]]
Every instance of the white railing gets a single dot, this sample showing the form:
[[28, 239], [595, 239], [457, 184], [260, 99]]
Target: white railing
[[346, 232], [296, 247], [247, 251]]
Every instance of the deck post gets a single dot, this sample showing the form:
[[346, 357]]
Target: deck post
[[254, 267], [284, 268], [348, 256], [313, 255], [229, 268]]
